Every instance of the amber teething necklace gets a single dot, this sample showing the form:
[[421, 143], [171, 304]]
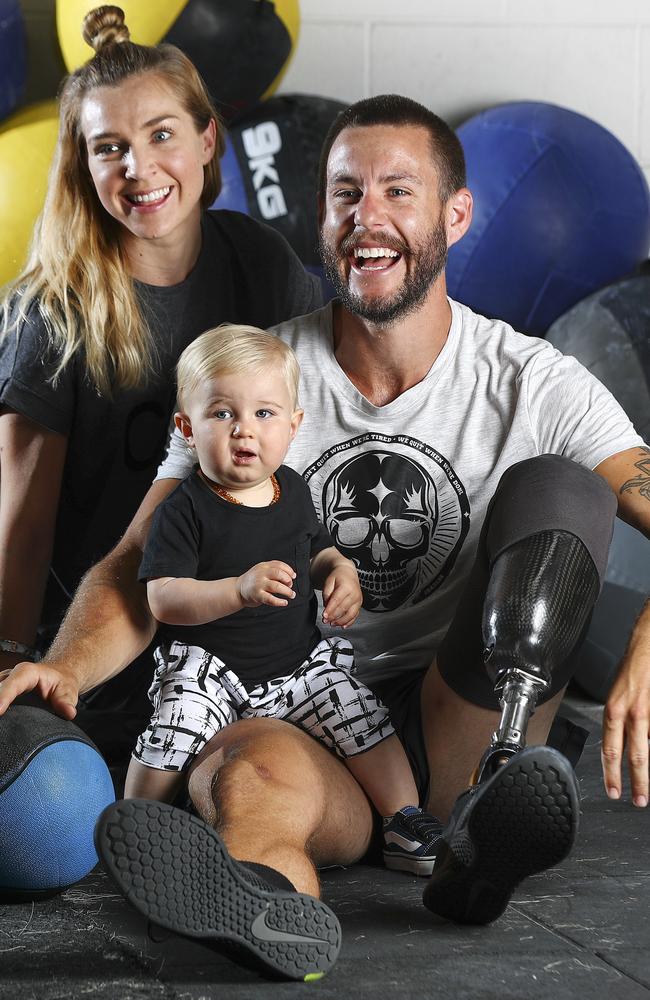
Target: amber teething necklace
[[225, 495]]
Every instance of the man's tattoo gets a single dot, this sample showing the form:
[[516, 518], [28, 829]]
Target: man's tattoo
[[642, 482]]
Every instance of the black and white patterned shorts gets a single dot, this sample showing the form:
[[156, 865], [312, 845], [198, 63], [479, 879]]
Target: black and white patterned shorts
[[195, 695]]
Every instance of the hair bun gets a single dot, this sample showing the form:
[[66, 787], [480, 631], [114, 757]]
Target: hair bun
[[104, 26]]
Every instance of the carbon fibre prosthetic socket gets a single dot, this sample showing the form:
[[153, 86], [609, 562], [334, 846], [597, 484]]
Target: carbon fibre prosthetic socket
[[539, 597]]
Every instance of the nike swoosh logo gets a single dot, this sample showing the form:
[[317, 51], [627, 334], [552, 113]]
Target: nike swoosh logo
[[261, 930]]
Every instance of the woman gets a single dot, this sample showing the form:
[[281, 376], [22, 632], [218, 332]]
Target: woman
[[126, 269]]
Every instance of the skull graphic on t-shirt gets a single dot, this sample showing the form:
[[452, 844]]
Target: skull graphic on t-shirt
[[395, 507], [381, 514]]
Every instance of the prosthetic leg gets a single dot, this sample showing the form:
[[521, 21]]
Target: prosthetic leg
[[539, 597], [521, 814]]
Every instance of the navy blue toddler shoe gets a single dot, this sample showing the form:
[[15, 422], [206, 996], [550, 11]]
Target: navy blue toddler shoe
[[411, 839]]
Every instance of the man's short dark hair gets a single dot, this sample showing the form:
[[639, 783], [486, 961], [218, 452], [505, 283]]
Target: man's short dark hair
[[392, 109]]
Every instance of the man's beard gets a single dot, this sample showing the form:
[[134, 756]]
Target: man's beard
[[429, 256]]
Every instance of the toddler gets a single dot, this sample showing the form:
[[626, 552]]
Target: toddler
[[230, 565]]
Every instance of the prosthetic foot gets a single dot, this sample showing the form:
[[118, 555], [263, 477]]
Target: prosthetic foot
[[174, 869], [521, 814], [519, 692], [521, 820]]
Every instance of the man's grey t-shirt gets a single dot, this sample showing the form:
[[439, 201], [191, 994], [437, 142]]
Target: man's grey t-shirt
[[403, 488]]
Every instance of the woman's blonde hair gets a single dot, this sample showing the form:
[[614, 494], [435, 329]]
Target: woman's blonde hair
[[231, 349], [76, 269]]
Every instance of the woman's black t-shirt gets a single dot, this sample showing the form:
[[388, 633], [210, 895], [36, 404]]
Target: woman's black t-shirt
[[246, 273]]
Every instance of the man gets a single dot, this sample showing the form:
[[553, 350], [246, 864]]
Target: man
[[417, 413]]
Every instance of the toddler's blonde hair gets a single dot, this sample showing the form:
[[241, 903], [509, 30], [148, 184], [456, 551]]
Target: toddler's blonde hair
[[231, 349]]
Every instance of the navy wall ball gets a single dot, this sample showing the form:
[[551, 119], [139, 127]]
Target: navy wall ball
[[13, 59], [561, 209], [241, 47], [609, 333], [53, 786], [270, 167]]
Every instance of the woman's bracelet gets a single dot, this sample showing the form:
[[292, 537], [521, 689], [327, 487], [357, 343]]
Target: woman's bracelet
[[11, 646]]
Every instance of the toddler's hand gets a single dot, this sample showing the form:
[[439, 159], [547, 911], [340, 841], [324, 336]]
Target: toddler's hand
[[342, 596], [267, 583]]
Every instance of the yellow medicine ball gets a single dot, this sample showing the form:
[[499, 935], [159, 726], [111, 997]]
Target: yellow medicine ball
[[32, 113], [240, 47], [148, 23], [27, 142]]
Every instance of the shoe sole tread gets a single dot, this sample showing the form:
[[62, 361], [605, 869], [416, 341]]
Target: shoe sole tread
[[529, 817], [175, 871]]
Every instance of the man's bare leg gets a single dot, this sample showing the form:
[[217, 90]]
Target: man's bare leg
[[279, 798], [456, 734]]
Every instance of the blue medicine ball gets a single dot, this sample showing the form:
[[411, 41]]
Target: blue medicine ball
[[53, 786], [13, 59], [561, 209]]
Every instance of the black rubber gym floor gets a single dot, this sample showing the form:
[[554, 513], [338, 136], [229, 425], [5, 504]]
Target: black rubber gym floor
[[579, 930]]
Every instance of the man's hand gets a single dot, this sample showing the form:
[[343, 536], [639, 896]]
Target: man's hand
[[626, 722], [342, 596], [627, 712], [61, 691], [267, 583]]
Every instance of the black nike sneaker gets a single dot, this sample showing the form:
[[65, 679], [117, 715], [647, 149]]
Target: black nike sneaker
[[174, 869], [520, 821]]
